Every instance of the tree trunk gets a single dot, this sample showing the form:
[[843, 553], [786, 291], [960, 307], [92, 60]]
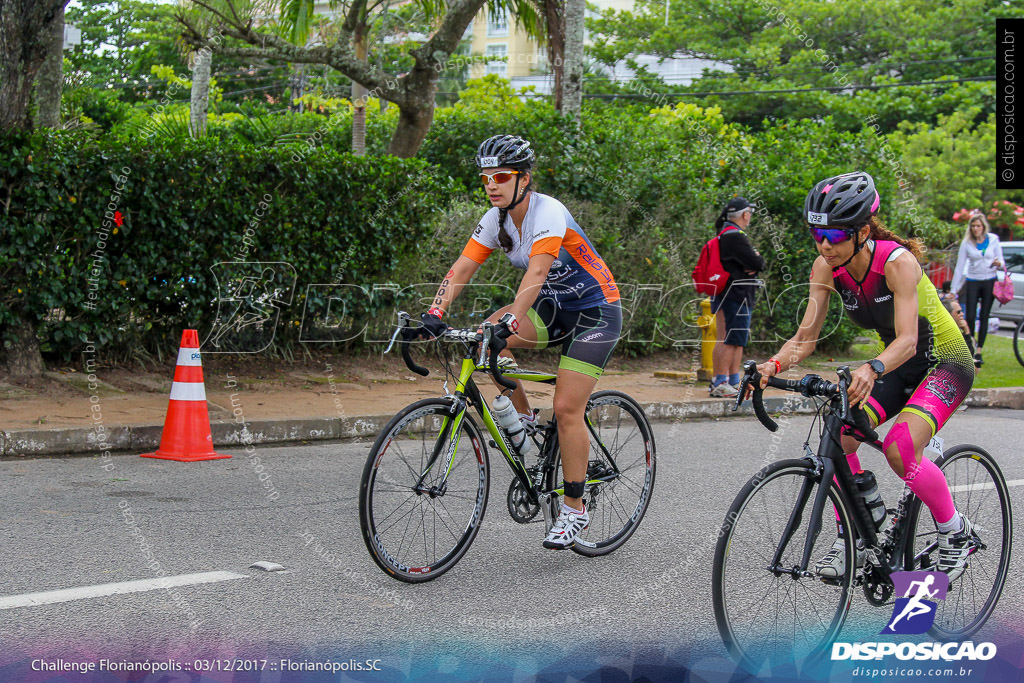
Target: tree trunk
[[23, 356], [410, 132], [359, 103], [554, 13], [413, 92], [200, 92], [50, 78], [572, 92], [24, 28]]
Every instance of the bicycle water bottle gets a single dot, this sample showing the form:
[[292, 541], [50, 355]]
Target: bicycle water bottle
[[868, 488], [508, 419]]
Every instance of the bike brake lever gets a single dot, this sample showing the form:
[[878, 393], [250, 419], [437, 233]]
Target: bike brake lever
[[744, 386], [403, 319], [844, 400]]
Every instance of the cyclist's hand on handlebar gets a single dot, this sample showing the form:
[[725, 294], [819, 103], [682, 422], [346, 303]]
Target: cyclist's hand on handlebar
[[863, 381], [766, 370], [430, 327]]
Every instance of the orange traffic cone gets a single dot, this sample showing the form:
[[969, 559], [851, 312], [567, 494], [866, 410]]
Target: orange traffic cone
[[186, 436]]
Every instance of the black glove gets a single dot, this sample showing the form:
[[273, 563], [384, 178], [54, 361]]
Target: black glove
[[430, 327], [502, 331]]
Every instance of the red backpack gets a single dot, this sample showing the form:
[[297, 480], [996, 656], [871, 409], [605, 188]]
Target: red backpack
[[709, 275]]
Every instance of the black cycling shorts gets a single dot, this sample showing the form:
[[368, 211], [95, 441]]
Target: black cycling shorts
[[587, 337], [930, 388]]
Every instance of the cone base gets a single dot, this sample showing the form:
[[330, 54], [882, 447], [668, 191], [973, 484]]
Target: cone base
[[185, 457]]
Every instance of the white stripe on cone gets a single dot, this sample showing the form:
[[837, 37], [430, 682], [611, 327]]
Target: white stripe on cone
[[188, 391], [189, 357]]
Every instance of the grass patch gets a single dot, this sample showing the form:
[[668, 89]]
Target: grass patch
[[1001, 368]]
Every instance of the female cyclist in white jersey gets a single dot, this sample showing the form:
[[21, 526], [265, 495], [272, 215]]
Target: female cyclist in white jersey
[[567, 296]]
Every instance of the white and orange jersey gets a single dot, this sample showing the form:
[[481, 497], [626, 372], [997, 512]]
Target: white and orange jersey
[[578, 278]]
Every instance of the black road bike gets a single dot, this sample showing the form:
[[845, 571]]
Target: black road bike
[[427, 478], [769, 603]]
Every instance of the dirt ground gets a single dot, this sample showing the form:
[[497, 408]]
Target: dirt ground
[[323, 386]]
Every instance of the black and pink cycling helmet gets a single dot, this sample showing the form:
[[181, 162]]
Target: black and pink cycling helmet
[[847, 200]]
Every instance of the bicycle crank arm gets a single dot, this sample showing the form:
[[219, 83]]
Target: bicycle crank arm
[[545, 507]]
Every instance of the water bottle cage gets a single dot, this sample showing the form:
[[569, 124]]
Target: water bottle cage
[[873, 506]]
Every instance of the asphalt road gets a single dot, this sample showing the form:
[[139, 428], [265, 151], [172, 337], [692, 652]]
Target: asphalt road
[[510, 609]]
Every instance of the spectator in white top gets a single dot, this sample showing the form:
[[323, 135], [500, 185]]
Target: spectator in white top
[[977, 264]]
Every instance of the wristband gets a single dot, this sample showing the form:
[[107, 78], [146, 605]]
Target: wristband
[[436, 311], [778, 365]]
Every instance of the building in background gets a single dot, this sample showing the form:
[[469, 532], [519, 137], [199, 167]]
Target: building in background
[[502, 48], [525, 63]]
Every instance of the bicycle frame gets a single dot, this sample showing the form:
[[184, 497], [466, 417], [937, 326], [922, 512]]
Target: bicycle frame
[[830, 462], [468, 393]]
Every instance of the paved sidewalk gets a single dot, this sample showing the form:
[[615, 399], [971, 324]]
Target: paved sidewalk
[[129, 414]]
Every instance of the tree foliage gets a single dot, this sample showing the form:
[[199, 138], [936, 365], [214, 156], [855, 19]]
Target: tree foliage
[[822, 51]]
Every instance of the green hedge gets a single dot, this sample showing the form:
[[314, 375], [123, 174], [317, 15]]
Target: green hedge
[[185, 206], [645, 184]]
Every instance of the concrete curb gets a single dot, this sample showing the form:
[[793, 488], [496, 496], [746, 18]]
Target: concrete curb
[[233, 436]]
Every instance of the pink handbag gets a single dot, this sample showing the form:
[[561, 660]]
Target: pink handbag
[[1003, 289]]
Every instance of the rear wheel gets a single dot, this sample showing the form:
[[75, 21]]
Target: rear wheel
[[979, 492], [418, 512], [1018, 343], [620, 472]]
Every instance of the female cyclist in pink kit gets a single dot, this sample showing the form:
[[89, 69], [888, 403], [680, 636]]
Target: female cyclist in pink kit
[[926, 364]]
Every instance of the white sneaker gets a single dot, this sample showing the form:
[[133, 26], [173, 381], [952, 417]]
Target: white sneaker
[[833, 565], [724, 390], [529, 422], [955, 548], [566, 528]]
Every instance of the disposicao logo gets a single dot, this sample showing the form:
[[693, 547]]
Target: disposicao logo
[[915, 611]]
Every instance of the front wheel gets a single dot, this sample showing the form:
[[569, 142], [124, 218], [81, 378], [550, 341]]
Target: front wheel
[[420, 510], [979, 492], [771, 612], [620, 472]]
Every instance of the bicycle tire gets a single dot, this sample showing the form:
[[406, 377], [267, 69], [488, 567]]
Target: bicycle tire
[[415, 537], [980, 492], [1018, 350], [747, 542], [616, 507]]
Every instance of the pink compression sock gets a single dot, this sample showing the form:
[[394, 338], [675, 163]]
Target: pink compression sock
[[924, 478]]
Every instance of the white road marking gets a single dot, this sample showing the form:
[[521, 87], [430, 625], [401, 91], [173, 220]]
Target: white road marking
[[104, 589], [986, 485]]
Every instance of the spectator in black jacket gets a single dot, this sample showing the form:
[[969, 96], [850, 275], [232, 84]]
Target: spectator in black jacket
[[732, 309]]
